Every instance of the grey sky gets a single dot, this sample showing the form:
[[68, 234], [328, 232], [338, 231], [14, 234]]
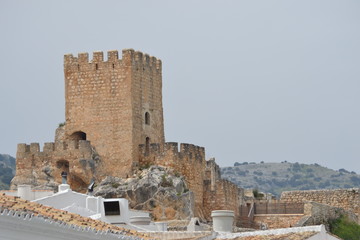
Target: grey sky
[[248, 80]]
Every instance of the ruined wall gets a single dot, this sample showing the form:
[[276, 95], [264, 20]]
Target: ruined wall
[[272, 221], [226, 195], [189, 161], [202, 177], [106, 103], [219, 193], [317, 213], [42, 169], [348, 199], [117, 105]]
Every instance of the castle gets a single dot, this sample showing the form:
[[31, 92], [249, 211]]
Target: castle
[[114, 124]]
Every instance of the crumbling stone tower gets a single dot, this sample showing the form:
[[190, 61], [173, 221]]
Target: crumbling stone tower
[[115, 104]]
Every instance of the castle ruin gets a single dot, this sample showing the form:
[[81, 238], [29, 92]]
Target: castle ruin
[[114, 124]]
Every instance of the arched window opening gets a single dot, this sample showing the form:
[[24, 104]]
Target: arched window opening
[[78, 136], [147, 145], [147, 118], [63, 165]]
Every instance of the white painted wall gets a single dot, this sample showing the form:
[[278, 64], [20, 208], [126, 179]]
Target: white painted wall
[[124, 211], [64, 199], [32, 195]]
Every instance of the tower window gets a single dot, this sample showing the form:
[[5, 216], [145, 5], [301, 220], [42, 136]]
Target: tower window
[[147, 145], [147, 118], [78, 136]]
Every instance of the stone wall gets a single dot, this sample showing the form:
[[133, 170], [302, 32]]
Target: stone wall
[[202, 177], [42, 169], [117, 105], [107, 101], [317, 213], [226, 195], [348, 199], [271, 221], [189, 161]]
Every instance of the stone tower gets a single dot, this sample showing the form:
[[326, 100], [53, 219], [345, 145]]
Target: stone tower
[[116, 104]]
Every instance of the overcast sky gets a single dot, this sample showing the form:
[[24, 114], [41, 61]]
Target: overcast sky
[[248, 80]]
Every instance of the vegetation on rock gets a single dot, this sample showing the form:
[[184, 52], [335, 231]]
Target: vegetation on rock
[[156, 189], [7, 170], [345, 229]]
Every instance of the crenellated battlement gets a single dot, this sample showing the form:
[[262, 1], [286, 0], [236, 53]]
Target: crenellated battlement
[[135, 58], [40, 167], [34, 148], [116, 102], [186, 151]]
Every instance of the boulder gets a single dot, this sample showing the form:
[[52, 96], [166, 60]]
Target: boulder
[[156, 189]]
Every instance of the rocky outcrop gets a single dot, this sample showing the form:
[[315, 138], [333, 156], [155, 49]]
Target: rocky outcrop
[[7, 170], [155, 189], [317, 214]]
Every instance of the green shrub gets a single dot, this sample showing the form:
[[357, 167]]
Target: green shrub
[[257, 195], [345, 229], [165, 182], [145, 166]]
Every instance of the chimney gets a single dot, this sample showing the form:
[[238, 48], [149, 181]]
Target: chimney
[[24, 192], [64, 186]]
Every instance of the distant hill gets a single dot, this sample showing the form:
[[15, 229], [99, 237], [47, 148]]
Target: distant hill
[[7, 170], [277, 177]]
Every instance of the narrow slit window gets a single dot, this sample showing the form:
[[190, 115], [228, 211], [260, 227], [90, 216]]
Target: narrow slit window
[[147, 145], [147, 118]]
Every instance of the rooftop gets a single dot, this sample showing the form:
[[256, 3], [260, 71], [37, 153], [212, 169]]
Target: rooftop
[[24, 207]]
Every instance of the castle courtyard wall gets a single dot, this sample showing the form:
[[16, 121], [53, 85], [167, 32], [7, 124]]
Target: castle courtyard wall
[[348, 199], [272, 221]]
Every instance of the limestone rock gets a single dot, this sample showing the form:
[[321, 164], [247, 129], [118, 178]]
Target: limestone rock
[[155, 189]]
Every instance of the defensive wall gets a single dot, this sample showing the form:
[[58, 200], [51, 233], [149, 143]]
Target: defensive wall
[[313, 214], [43, 168], [348, 199], [116, 104], [317, 213], [202, 177], [273, 221]]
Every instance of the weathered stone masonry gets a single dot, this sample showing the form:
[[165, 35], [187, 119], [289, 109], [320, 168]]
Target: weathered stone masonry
[[108, 101], [114, 125], [203, 177], [43, 168], [348, 199]]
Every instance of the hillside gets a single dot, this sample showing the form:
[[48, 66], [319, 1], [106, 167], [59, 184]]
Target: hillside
[[7, 170], [277, 177]]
